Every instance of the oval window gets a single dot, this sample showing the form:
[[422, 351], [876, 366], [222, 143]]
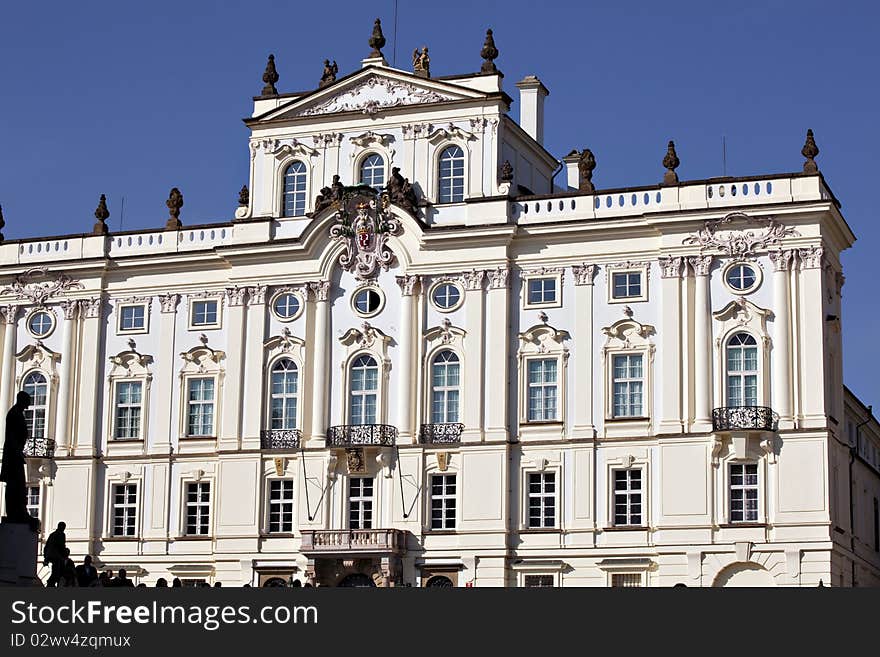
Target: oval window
[[741, 277], [367, 301], [446, 296], [40, 324], [286, 306]]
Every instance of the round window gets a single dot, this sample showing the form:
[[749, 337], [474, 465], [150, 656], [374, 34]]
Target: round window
[[446, 296], [741, 277], [367, 301], [286, 306], [40, 324]]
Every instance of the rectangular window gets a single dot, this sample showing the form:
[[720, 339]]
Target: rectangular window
[[542, 499], [204, 313], [200, 407], [627, 385], [744, 492], [132, 318], [360, 503], [129, 401], [542, 291], [198, 508], [542, 385], [538, 581], [626, 285], [33, 501], [628, 498], [281, 506], [124, 502], [626, 580], [443, 501]]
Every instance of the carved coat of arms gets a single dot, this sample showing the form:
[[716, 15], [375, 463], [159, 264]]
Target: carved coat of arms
[[364, 224]]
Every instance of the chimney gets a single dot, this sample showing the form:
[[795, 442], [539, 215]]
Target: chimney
[[531, 107], [572, 171]]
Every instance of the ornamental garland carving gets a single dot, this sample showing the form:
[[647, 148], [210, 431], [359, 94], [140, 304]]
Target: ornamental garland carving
[[25, 286], [373, 95], [545, 271], [363, 225], [722, 234]]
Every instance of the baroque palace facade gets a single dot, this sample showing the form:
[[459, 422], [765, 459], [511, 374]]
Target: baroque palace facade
[[493, 375]]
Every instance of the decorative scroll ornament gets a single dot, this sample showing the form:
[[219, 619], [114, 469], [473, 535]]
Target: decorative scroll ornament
[[363, 225], [373, 95], [25, 287], [724, 236]]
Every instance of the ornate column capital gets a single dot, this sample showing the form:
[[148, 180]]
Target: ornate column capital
[[701, 264], [839, 280], [256, 295], [321, 290], [9, 313], [408, 283], [782, 259], [168, 302], [584, 274], [235, 295], [70, 307], [810, 257], [498, 278], [473, 280], [672, 266], [91, 308]]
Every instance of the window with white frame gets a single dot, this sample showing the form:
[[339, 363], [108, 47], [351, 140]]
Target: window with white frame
[[446, 296], [205, 313], [542, 291], [743, 492], [742, 370], [627, 497], [36, 385], [626, 580], [542, 389], [627, 385], [128, 402], [363, 390], [200, 406], [443, 501], [198, 508], [132, 318], [284, 394], [286, 306], [627, 285], [360, 503], [33, 501], [541, 499], [124, 510], [281, 506], [538, 581], [367, 301], [451, 175], [445, 383], [373, 171], [295, 189], [40, 323]]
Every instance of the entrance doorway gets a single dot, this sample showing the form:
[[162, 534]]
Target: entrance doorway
[[358, 580]]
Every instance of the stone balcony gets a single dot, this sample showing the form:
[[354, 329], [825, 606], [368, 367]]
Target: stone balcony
[[353, 541]]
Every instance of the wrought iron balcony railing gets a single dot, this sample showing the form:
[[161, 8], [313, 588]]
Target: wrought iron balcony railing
[[744, 418], [40, 448], [442, 433], [347, 541], [361, 435], [280, 438]]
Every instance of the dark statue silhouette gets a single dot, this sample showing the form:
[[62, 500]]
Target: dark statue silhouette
[[12, 471]]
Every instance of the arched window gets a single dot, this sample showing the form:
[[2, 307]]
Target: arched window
[[373, 171], [742, 370], [295, 189], [36, 386], [451, 175], [285, 380], [445, 387], [363, 390]]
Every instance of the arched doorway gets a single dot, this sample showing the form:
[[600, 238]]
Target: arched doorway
[[358, 580], [275, 581], [440, 581], [744, 575]]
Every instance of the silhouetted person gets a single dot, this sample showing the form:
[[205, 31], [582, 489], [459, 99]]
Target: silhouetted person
[[54, 553], [104, 578], [122, 579], [86, 573], [68, 571], [161, 583], [12, 469], [217, 585], [176, 583], [141, 586]]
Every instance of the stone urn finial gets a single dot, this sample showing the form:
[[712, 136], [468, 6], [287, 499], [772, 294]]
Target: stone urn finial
[[244, 197], [377, 40], [2, 223], [174, 203], [489, 52], [586, 165], [670, 161], [101, 214], [270, 77], [810, 151]]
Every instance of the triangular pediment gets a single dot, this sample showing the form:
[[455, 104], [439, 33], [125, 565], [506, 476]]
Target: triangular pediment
[[370, 91]]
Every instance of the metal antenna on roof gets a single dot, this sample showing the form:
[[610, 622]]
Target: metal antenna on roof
[[121, 213], [723, 155], [394, 48]]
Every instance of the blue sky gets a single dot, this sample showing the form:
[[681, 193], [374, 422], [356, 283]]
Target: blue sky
[[130, 99]]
